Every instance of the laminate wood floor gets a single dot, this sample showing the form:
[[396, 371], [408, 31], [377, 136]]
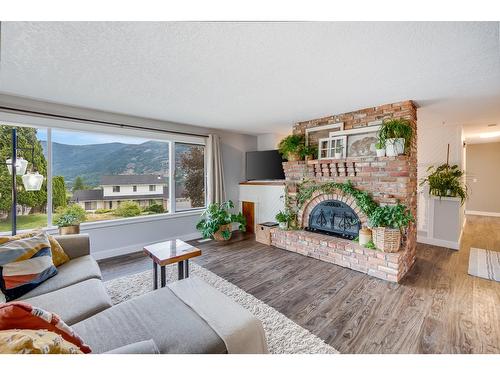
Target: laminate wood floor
[[438, 307]]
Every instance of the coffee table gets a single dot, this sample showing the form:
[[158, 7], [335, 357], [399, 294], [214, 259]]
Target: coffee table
[[169, 252]]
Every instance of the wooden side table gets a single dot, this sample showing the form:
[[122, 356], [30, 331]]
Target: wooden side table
[[169, 252]]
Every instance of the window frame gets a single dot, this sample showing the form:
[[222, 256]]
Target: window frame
[[50, 124], [116, 189]]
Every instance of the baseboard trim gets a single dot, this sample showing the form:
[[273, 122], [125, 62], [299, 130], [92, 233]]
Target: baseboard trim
[[105, 254], [438, 242], [482, 213]]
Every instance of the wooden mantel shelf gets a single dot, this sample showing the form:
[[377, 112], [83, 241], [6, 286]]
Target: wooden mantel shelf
[[264, 183]]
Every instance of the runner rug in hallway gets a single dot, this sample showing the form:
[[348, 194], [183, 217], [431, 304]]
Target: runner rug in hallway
[[484, 263], [283, 335]]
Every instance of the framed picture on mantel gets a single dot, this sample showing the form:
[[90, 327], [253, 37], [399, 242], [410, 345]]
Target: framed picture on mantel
[[336, 143]]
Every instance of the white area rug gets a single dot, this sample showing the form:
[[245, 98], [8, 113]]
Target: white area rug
[[484, 263], [283, 335]]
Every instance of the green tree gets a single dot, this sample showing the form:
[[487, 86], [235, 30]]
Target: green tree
[[78, 184], [27, 138], [58, 192], [192, 168]]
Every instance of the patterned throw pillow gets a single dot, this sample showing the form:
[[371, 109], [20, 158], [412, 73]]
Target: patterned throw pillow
[[58, 255], [21, 315], [29, 341], [25, 264]]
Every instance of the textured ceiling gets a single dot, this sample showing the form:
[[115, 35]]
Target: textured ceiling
[[256, 77]]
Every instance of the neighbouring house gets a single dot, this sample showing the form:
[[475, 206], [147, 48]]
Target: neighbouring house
[[145, 189]]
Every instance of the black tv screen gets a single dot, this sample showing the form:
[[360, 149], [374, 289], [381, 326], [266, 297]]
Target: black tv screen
[[264, 165]]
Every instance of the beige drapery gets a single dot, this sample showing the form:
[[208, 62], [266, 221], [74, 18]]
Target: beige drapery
[[215, 181]]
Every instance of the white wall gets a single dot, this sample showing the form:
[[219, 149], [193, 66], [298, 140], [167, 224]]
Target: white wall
[[269, 141], [110, 240], [432, 142]]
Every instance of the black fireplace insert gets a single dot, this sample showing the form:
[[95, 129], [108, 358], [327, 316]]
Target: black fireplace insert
[[334, 218]]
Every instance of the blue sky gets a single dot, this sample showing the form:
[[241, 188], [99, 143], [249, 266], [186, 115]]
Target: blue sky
[[83, 138]]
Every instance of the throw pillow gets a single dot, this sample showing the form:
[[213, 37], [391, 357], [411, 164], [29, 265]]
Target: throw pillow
[[29, 341], [25, 264], [21, 315], [58, 255]]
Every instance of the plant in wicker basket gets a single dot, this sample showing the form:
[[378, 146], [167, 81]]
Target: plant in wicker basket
[[387, 222], [216, 221], [292, 147]]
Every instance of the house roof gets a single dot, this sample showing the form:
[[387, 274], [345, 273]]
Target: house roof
[[87, 195], [129, 179]]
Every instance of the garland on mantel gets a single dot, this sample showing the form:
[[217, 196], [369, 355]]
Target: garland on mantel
[[364, 201]]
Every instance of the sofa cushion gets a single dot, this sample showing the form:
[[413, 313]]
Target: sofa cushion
[[24, 265], [75, 271], [58, 255], [75, 302], [21, 315], [141, 347], [158, 315], [30, 341]]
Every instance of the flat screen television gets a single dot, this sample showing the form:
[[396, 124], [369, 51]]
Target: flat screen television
[[264, 165]]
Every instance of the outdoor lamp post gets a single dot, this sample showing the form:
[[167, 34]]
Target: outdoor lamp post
[[32, 181]]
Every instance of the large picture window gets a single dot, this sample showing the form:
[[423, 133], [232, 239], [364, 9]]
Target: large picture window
[[106, 176]]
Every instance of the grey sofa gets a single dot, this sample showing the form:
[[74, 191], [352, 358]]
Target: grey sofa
[[156, 322]]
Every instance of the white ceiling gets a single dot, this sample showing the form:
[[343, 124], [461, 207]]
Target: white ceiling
[[255, 77]]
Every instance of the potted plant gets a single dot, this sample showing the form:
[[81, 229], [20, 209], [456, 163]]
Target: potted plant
[[283, 219], [388, 222], [68, 219], [308, 152], [380, 148], [216, 221], [446, 181], [396, 135], [338, 152], [291, 147]]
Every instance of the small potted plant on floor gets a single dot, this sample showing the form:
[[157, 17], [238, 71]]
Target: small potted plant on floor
[[68, 219], [388, 222], [216, 221], [292, 147], [396, 134], [309, 152], [380, 148], [283, 219]]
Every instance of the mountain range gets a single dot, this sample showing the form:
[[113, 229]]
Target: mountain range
[[93, 161]]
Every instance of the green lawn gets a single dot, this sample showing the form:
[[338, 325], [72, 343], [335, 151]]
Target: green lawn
[[25, 222]]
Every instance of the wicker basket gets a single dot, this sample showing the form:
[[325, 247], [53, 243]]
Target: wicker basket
[[387, 239], [293, 156], [218, 234]]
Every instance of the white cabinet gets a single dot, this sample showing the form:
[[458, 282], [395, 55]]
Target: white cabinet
[[268, 199]]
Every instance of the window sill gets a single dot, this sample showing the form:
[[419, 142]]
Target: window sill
[[121, 222]]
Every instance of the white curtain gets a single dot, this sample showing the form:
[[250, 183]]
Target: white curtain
[[215, 171]]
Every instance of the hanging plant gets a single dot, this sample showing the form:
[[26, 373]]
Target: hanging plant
[[446, 181]]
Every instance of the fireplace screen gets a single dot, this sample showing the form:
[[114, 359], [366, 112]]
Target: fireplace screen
[[335, 218]]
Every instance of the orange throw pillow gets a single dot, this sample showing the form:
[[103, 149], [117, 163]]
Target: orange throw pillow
[[21, 315]]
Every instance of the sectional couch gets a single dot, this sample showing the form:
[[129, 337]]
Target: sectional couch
[[156, 322]]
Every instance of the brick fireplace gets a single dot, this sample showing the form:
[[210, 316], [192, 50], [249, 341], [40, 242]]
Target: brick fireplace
[[388, 180]]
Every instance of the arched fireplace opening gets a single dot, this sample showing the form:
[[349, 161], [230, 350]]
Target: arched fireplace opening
[[335, 218]]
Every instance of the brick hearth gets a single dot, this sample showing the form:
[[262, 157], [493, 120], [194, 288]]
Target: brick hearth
[[388, 179], [345, 253]]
